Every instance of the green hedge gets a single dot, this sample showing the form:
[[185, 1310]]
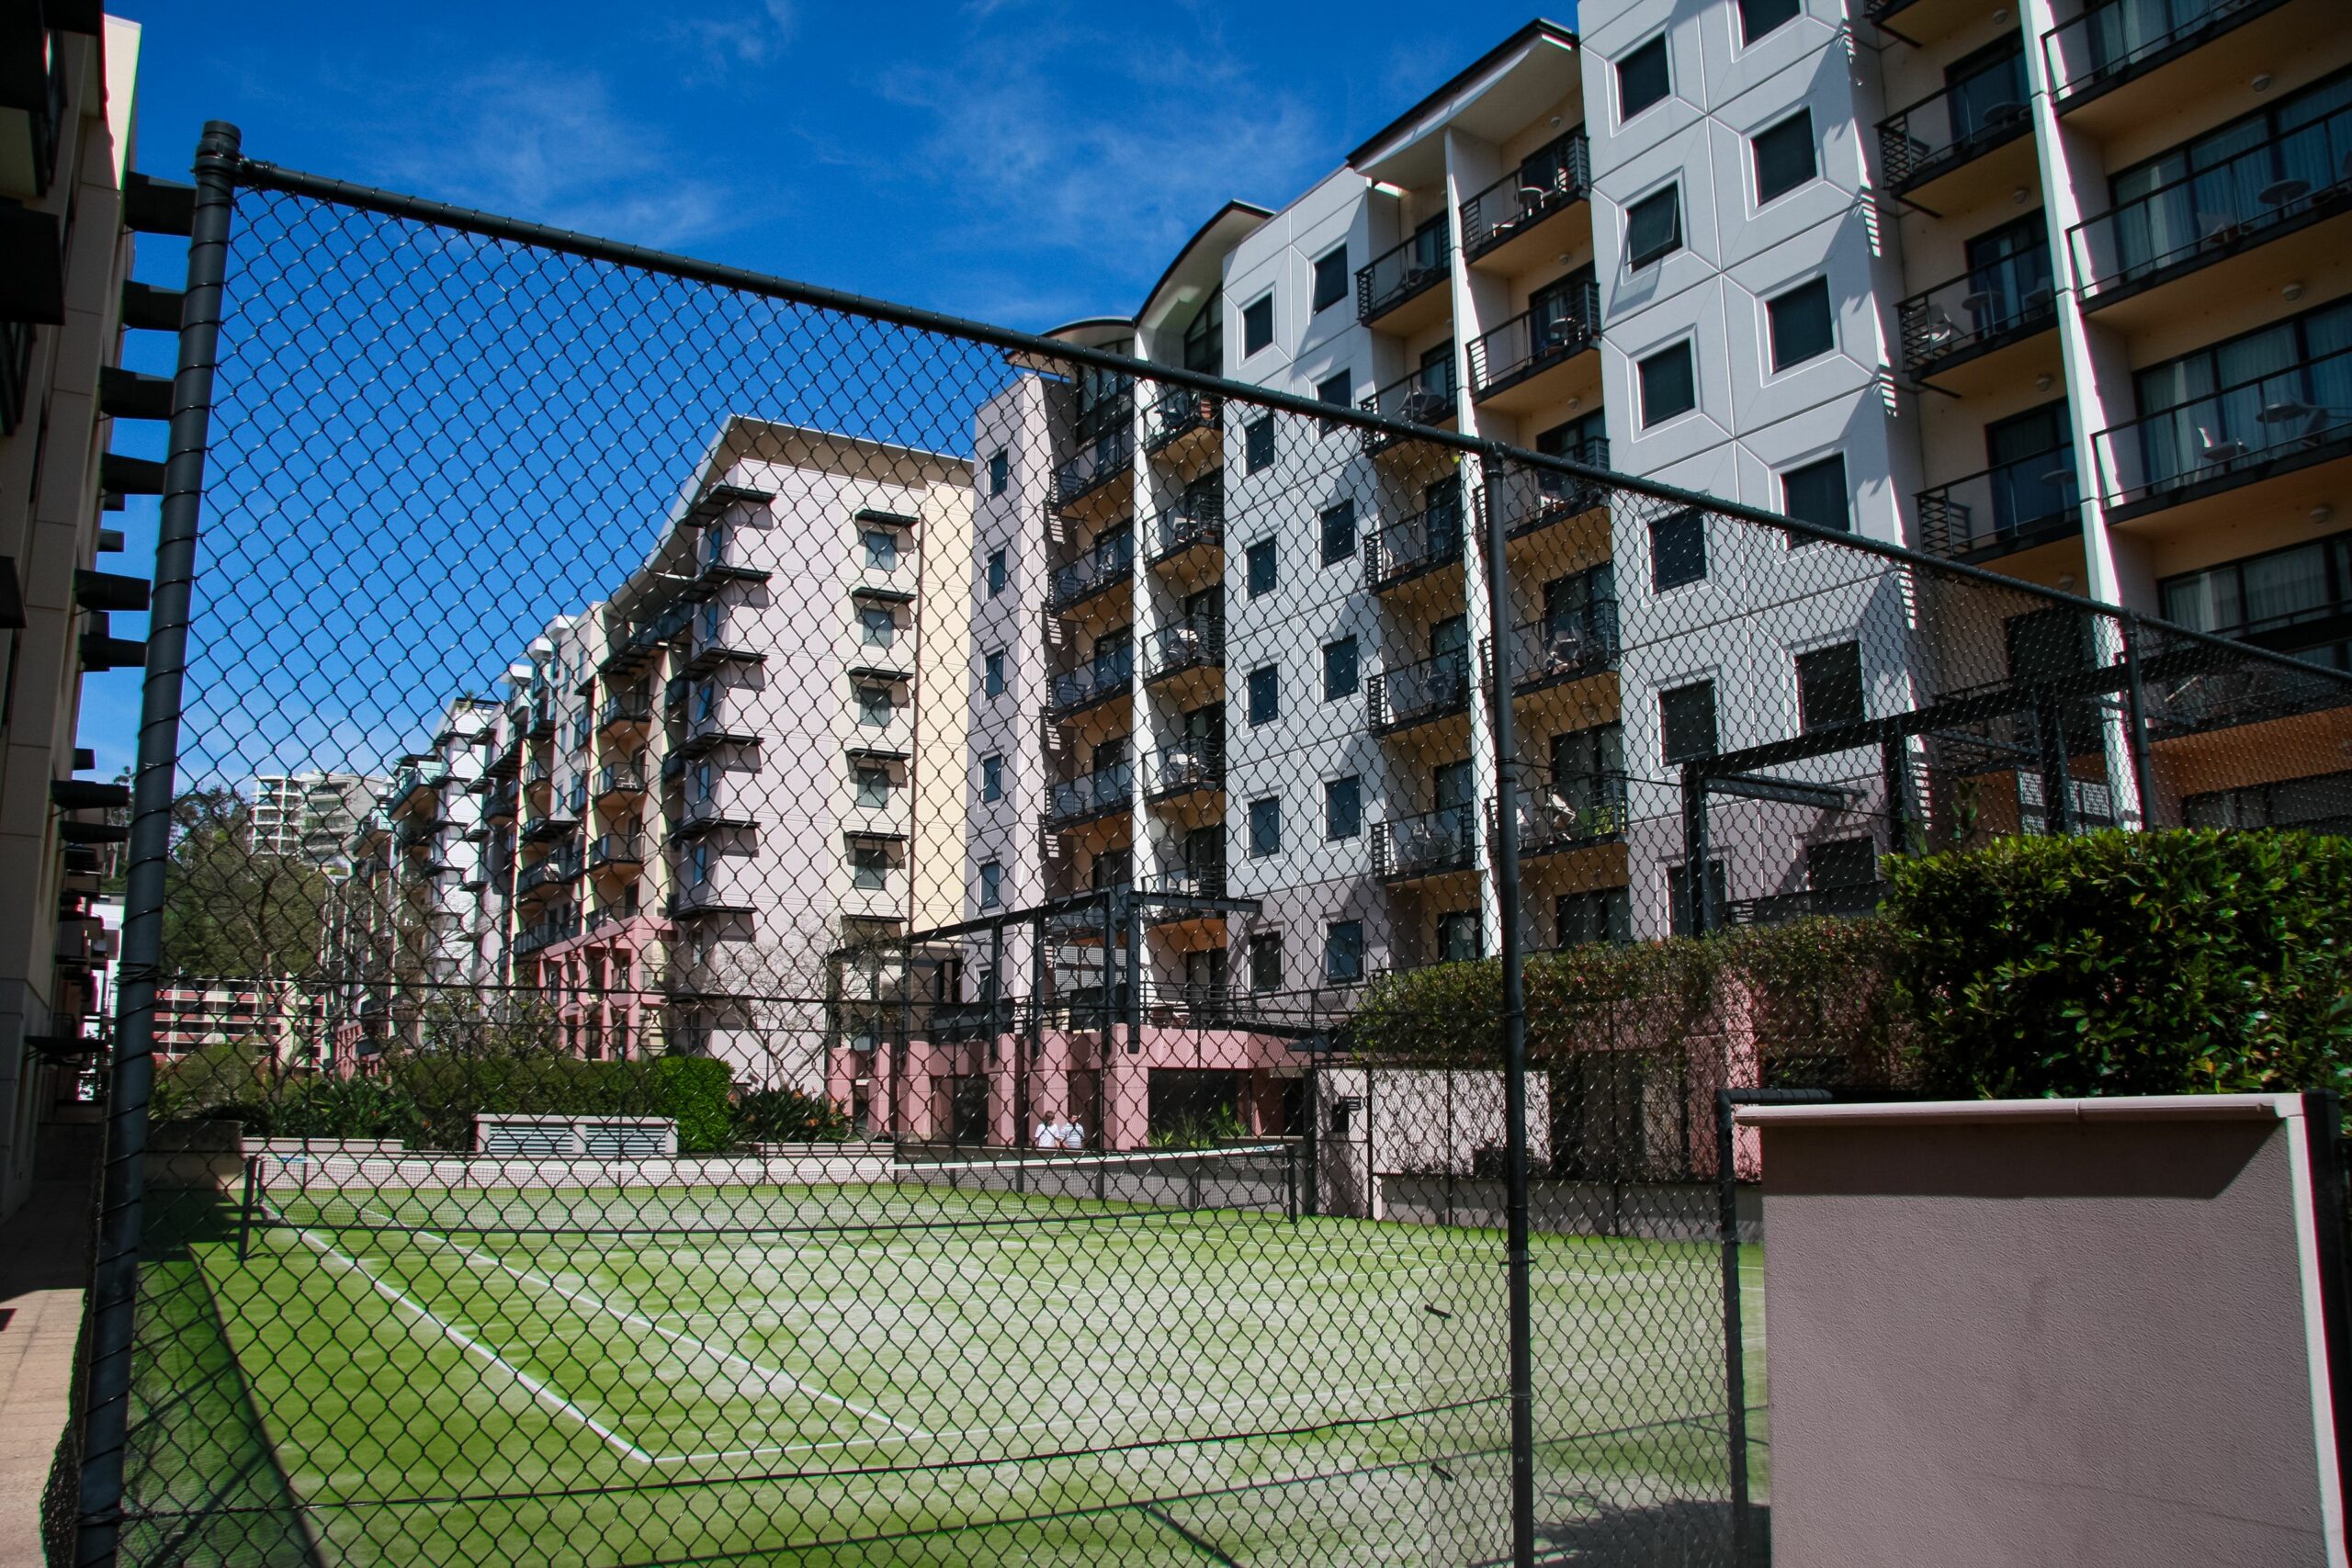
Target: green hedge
[[2161, 963]]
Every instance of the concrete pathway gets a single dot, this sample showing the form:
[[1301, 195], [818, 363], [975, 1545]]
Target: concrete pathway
[[44, 1249]]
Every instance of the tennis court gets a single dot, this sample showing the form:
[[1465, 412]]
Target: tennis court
[[937, 1368]]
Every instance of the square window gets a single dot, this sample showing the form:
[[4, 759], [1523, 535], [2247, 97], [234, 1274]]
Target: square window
[[1815, 493], [1265, 694], [1258, 443], [1340, 677], [1266, 961], [1265, 828], [1258, 568], [869, 867], [991, 885], [993, 679], [999, 470], [1000, 573], [1343, 951], [1643, 78], [1801, 324], [872, 785], [1604, 914], [881, 549], [1758, 17], [878, 627], [1330, 278], [1669, 384], [1653, 226], [1687, 722], [1343, 808], [1457, 936], [993, 777], [1339, 533], [1258, 324], [1335, 390], [1678, 550], [1829, 686], [873, 705], [1784, 156]]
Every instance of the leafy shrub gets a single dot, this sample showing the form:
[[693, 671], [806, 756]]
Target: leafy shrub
[[788, 1116], [2198, 960], [345, 1108], [693, 1091]]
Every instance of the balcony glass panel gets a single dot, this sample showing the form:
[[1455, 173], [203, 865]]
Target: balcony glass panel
[[2294, 411], [1970, 117], [1567, 323], [2004, 508], [1981, 306], [1099, 677], [1545, 181]]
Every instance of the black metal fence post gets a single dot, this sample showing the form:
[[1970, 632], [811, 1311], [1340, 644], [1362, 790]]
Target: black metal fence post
[[115, 1281], [2135, 716]]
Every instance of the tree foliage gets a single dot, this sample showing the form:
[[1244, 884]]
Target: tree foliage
[[231, 911]]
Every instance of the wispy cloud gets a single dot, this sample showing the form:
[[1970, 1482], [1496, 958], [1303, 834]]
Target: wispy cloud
[[740, 36]]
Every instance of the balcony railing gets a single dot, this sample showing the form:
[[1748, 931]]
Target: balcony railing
[[1531, 342], [2208, 214], [1395, 275], [1427, 540], [416, 779], [1951, 128], [1099, 678], [1183, 768], [1529, 499], [1196, 642], [620, 778], [1201, 522], [617, 848], [2118, 40], [1567, 646], [628, 707], [2026, 501], [1099, 794], [1806, 903], [546, 933], [554, 871], [1517, 202], [1566, 811], [1104, 458], [1428, 845], [1415, 693], [1425, 397], [1178, 411], [2290, 416], [504, 802], [1111, 562], [1980, 309], [1186, 882]]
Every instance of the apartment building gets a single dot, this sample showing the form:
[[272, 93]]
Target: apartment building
[[309, 816]]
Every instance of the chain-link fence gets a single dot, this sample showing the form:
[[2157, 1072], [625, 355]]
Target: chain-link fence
[[791, 932]]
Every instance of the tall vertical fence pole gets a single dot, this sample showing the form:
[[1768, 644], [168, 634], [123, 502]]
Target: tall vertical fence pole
[[114, 1286], [1517, 1304]]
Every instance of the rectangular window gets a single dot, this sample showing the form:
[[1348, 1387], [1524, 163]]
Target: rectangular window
[[999, 470], [1457, 936], [1687, 722], [881, 549], [1841, 863], [1801, 324], [1784, 156], [1266, 961], [1265, 828], [1679, 549], [1340, 669], [878, 627], [991, 885], [1335, 390], [1678, 898], [1643, 78], [869, 867], [1258, 324], [1000, 573], [1265, 694], [1604, 914], [1330, 278], [1258, 443], [1257, 562], [1343, 808], [872, 785], [1339, 533], [993, 679], [1653, 226], [1829, 686], [1343, 951], [993, 777], [1815, 493], [873, 705], [1758, 17], [1670, 385]]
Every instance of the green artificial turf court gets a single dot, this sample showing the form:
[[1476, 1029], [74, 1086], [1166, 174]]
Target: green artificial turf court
[[885, 1375]]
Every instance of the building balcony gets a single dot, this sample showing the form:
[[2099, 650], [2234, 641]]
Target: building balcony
[[557, 821], [1531, 500], [709, 653], [1503, 227], [628, 710], [504, 801], [543, 716], [1567, 812], [1806, 903], [1417, 693], [1426, 398], [617, 850], [416, 785], [1566, 647], [1919, 22], [1976, 314], [2291, 418], [710, 813], [2108, 65], [645, 640], [1180, 420], [1110, 563], [1199, 526], [2270, 195], [546, 933], [1407, 274], [1105, 792], [1523, 363], [1195, 642], [2016, 506], [1425, 542], [1182, 768], [1108, 456], [1922, 146], [619, 782], [554, 871], [704, 900], [537, 771], [1099, 680], [724, 560], [1433, 843], [1206, 881]]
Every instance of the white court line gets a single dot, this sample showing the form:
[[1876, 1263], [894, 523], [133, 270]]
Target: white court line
[[639, 1319], [547, 1393]]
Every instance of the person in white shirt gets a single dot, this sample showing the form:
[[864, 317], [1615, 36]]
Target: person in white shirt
[[1073, 1134], [1049, 1133]]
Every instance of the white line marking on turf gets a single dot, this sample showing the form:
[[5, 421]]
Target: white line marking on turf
[[641, 1320], [545, 1392]]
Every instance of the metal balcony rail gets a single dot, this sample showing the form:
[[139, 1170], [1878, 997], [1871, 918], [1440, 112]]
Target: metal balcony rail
[[1532, 499], [1098, 794], [421, 830], [543, 716], [1533, 340], [2118, 38], [2227, 694], [1103, 676], [1177, 412], [2210, 212], [1566, 810], [617, 848], [1206, 881], [628, 707], [1425, 397], [1186, 766], [538, 770], [1522, 198], [1430, 538], [1983, 307], [554, 871], [1415, 693], [1848, 902], [1201, 522], [1397, 275], [1565, 645], [2027, 500], [2235, 433], [1109, 561], [1949, 128], [1426, 845], [414, 777], [546, 933], [620, 778], [1104, 458], [1195, 642]]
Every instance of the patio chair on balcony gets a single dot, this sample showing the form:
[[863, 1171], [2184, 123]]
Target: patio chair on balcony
[[1938, 332], [1422, 406], [1428, 844], [2219, 228], [2218, 451], [1565, 648]]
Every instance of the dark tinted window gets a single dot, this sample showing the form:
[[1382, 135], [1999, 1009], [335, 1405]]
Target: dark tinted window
[[999, 472], [1784, 156], [1259, 561], [1343, 950], [1258, 443], [1815, 493], [1677, 550], [1266, 826], [999, 573], [1265, 694], [1669, 384], [1758, 17], [1338, 532], [1642, 78], [1258, 324], [1801, 328], [1343, 807], [1604, 914], [1330, 278], [1677, 894], [1829, 686], [1687, 722], [1653, 226], [1266, 961], [1340, 669]]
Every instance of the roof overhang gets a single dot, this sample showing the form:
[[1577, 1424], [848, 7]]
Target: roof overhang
[[1199, 267], [1493, 99], [1088, 332]]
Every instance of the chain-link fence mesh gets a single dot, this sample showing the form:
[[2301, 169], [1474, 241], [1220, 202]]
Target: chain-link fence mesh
[[794, 937]]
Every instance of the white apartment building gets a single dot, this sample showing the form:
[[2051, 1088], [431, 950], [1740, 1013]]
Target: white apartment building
[[310, 816]]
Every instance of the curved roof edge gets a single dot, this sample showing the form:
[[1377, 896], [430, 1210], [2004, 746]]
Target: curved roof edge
[[1219, 221], [1540, 27], [1093, 331]]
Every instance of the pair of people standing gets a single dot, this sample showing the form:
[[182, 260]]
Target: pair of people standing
[[1060, 1131]]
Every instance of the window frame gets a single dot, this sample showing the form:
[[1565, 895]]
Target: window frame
[[1356, 668], [1258, 443], [1670, 194], [1750, 35], [1628, 112], [993, 680], [1259, 311], [999, 470], [1274, 689], [1320, 301], [992, 778], [1855, 706], [1658, 543], [1793, 298], [1756, 152], [1845, 524], [991, 890], [1000, 571], [1345, 512], [1262, 828], [1688, 353], [1331, 930], [1352, 784], [1257, 554], [1666, 754]]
